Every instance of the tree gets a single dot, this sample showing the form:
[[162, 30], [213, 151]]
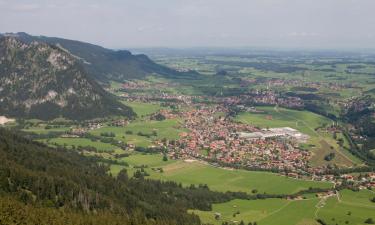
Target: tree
[[123, 175], [159, 117], [138, 174], [330, 156], [369, 221], [340, 142]]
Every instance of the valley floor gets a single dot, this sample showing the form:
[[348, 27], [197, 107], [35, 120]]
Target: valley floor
[[346, 207]]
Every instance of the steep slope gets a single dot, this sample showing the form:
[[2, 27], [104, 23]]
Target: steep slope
[[105, 64], [67, 188], [39, 80]]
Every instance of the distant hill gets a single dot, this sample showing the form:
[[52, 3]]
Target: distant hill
[[39, 80], [105, 64]]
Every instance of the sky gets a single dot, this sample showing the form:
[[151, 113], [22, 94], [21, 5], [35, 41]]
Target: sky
[[316, 24]]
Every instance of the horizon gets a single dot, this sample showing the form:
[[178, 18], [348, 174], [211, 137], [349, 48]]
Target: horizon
[[284, 24], [219, 49]]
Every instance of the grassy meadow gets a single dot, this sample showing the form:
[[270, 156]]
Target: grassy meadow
[[70, 142], [143, 109], [155, 129], [43, 130], [218, 179], [352, 208]]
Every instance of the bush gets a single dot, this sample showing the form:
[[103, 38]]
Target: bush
[[330, 156]]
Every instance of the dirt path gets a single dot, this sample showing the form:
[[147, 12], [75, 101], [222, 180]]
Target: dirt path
[[277, 210], [318, 206]]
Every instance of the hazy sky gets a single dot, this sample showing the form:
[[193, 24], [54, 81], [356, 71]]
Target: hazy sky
[[185, 23]]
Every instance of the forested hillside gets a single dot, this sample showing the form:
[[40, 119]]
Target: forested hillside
[[39, 185]]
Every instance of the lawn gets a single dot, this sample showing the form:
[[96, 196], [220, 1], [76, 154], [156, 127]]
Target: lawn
[[219, 179]]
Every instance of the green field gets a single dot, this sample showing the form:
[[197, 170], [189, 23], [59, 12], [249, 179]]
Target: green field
[[354, 207], [218, 179], [250, 211], [264, 212], [296, 212], [164, 129], [43, 130], [152, 160], [143, 109], [69, 142]]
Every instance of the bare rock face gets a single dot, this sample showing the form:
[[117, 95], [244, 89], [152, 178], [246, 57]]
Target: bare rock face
[[39, 80]]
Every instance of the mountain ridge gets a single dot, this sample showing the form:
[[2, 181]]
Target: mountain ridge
[[40, 80], [105, 65]]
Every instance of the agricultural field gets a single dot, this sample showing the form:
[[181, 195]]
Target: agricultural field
[[143, 133], [245, 65], [45, 130], [83, 142], [195, 172], [143, 109], [349, 209]]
